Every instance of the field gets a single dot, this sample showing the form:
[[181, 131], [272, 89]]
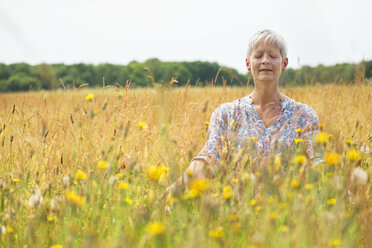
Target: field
[[88, 168]]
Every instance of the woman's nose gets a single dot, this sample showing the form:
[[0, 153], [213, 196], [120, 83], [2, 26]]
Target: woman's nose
[[265, 59]]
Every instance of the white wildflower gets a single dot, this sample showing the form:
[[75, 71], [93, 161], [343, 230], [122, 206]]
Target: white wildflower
[[113, 180], [359, 176], [54, 203], [364, 149], [253, 178], [2, 230], [66, 180], [36, 199]]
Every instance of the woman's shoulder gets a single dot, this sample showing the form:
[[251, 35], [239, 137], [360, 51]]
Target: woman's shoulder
[[231, 108]]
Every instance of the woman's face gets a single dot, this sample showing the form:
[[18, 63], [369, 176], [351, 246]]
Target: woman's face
[[265, 62]]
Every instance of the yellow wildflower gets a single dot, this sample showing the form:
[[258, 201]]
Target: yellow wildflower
[[51, 218], [258, 208], [233, 217], [56, 246], [283, 229], [101, 164], [206, 123], [193, 193], [200, 185], [349, 141], [253, 139], [253, 202], [155, 228], [332, 158], [15, 180], [216, 233], [295, 184], [283, 206], [322, 137], [308, 186], [9, 229], [119, 175], [331, 202], [173, 200], [274, 215], [90, 96], [236, 227], [80, 175], [123, 186], [74, 198], [270, 200], [335, 243], [128, 201], [155, 172], [189, 172], [142, 125], [353, 155], [298, 141], [329, 174], [226, 192], [299, 130], [190, 194], [300, 159]]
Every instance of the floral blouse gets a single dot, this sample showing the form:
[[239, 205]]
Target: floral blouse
[[238, 124]]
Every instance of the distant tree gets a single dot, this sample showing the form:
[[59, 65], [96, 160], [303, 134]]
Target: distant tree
[[138, 74], [3, 85], [369, 69], [23, 83], [23, 69], [4, 71], [21, 76], [47, 76], [113, 74]]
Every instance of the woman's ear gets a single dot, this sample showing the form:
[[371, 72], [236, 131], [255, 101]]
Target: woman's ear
[[285, 64], [247, 63]]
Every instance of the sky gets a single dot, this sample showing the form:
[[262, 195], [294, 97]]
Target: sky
[[113, 31]]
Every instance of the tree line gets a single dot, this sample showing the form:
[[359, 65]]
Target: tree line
[[23, 77]]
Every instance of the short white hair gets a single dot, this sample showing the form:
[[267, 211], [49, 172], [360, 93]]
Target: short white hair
[[269, 36]]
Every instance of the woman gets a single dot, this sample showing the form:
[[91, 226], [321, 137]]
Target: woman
[[266, 116]]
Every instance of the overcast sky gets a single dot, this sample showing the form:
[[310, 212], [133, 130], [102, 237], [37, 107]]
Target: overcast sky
[[113, 31]]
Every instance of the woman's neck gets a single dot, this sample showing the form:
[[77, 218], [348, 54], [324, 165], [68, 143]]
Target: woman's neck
[[264, 94]]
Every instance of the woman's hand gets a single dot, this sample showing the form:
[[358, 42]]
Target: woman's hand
[[195, 170]]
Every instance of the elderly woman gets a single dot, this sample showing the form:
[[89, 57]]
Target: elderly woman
[[266, 116]]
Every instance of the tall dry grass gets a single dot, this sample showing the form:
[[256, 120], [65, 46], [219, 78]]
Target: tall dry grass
[[46, 136]]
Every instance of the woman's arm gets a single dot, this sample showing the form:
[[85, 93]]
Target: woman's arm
[[209, 153], [196, 169]]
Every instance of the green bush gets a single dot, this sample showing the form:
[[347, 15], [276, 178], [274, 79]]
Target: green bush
[[22, 83]]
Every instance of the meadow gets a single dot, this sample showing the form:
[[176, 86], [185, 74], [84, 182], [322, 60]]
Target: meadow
[[88, 168]]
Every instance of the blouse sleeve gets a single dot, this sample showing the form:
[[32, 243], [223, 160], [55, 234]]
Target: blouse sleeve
[[211, 150]]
